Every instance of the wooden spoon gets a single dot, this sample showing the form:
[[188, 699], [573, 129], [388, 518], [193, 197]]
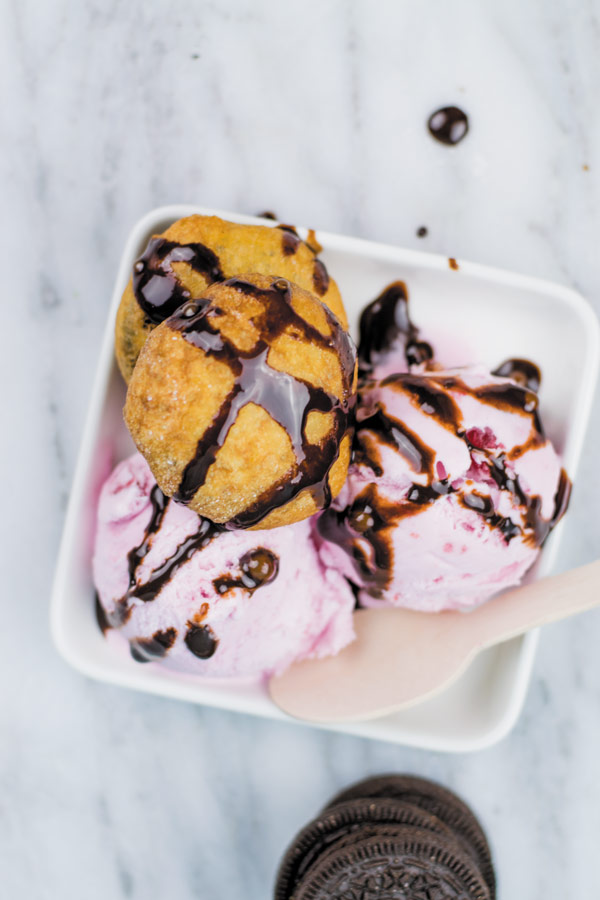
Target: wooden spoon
[[401, 657]]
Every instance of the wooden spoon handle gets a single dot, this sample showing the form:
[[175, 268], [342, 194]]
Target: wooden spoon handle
[[539, 603]]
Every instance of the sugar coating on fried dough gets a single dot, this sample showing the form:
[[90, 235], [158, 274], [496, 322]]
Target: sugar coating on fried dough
[[200, 250], [241, 403]]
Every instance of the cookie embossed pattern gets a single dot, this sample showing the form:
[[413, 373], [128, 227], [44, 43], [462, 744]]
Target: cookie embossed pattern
[[389, 836], [539, 321]]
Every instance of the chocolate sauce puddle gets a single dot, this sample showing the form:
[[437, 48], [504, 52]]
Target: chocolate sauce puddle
[[286, 398]]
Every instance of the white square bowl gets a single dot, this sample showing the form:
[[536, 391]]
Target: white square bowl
[[490, 315]]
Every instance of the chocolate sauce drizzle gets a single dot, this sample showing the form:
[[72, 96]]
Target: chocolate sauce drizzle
[[386, 321], [364, 528], [199, 639], [290, 239], [148, 590], [523, 371], [149, 649], [370, 517], [257, 567], [484, 506], [428, 396], [286, 398], [394, 434], [320, 278], [157, 289], [136, 556], [448, 125], [101, 618]]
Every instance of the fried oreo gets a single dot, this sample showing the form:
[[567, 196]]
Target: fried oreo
[[241, 402], [198, 251]]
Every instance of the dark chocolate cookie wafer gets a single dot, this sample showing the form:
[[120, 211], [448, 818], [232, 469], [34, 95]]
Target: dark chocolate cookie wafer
[[412, 865], [434, 799], [346, 823]]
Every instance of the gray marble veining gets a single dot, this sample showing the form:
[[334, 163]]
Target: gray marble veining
[[318, 111]]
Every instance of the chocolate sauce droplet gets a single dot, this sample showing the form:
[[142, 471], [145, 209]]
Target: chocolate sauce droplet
[[201, 640], [448, 125], [422, 231], [267, 214], [258, 567]]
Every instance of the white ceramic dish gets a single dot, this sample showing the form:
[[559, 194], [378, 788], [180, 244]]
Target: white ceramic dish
[[490, 315]]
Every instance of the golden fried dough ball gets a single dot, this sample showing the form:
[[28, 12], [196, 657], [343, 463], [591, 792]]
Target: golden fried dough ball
[[241, 403], [200, 250]]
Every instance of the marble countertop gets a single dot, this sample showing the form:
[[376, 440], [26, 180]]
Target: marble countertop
[[318, 111]]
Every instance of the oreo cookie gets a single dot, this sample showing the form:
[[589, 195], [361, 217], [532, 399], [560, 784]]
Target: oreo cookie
[[393, 836], [413, 864], [438, 801], [340, 825]]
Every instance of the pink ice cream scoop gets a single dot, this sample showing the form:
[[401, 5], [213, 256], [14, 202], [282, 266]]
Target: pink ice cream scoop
[[452, 492], [200, 600]]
